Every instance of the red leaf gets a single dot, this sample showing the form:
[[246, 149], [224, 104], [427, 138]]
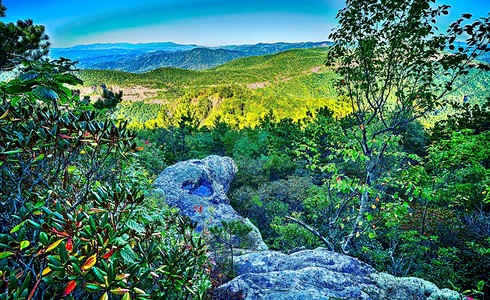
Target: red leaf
[[59, 233], [31, 294], [108, 254], [69, 245], [66, 136], [70, 287]]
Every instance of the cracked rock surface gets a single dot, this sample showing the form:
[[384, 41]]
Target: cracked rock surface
[[322, 274]]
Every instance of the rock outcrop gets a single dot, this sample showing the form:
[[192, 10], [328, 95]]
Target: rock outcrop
[[192, 184], [321, 274], [270, 275]]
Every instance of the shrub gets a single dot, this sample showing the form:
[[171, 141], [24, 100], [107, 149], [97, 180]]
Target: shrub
[[71, 215], [270, 200]]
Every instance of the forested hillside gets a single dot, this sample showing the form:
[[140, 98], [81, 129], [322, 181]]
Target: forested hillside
[[291, 84], [245, 70]]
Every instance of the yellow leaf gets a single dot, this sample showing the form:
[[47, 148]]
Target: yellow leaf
[[16, 228], [24, 244], [104, 296], [126, 296], [373, 206], [5, 114], [122, 276], [120, 291], [90, 262], [46, 271], [53, 245]]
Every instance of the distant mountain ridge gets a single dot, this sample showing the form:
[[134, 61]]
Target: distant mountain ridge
[[195, 59], [140, 58], [129, 46]]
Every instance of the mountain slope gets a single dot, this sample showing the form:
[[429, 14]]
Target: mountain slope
[[244, 70], [195, 59], [141, 58], [264, 49]]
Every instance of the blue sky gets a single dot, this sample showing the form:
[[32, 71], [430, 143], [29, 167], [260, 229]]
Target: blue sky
[[210, 23]]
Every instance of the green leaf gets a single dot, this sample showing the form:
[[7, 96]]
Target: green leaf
[[480, 285], [128, 255], [372, 235], [98, 276], [45, 93], [135, 226], [16, 89], [90, 287], [16, 228], [12, 151], [24, 244], [5, 254], [15, 100], [28, 76]]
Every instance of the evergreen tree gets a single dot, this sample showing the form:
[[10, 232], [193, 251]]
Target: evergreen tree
[[21, 40]]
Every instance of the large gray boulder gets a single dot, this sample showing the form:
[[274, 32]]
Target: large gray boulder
[[321, 274], [188, 185]]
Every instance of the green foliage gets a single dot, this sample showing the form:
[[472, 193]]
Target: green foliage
[[466, 116], [174, 139], [388, 56], [109, 100], [71, 220], [152, 159], [244, 70], [222, 238], [270, 200], [20, 40]]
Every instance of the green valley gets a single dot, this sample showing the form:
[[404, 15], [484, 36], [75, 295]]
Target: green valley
[[290, 84]]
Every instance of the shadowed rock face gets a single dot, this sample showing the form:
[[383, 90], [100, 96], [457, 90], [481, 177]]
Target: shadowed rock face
[[321, 274], [194, 183]]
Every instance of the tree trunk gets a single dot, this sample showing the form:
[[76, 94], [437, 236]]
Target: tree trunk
[[362, 208]]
